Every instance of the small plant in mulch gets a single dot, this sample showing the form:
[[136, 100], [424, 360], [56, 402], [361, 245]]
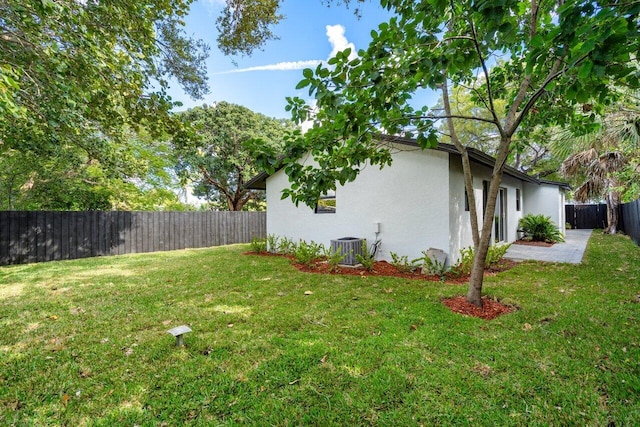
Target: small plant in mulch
[[402, 263], [333, 259], [368, 258], [259, 245], [308, 254]]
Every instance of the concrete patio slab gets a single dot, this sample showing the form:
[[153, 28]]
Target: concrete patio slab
[[571, 251]]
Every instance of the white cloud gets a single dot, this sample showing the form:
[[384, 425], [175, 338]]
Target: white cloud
[[338, 41], [280, 66]]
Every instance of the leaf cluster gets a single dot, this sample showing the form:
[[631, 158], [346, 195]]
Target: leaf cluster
[[541, 59]]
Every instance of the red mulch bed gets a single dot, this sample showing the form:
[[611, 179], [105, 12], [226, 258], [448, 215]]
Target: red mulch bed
[[532, 243], [489, 311], [491, 308]]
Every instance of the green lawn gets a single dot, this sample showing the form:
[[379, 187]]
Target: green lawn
[[84, 343]]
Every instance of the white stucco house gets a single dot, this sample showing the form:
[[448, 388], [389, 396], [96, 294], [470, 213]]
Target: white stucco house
[[415, 204]]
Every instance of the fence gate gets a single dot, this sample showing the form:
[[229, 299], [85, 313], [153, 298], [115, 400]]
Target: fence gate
[[586, 216]]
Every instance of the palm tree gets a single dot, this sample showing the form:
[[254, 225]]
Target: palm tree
[[600, 171], [599, 157]]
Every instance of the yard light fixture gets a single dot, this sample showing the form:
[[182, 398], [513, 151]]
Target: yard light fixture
[[178, 332]]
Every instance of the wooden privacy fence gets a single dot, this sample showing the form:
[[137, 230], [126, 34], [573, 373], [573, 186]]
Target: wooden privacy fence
[[595, 216], [27, 237], [630, 220], [586, 216]]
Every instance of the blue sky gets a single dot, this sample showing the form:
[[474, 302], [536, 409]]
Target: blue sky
[[304, 38]]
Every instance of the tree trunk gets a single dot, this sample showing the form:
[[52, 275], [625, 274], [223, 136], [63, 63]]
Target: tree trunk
[[474, 294], [612, 213]]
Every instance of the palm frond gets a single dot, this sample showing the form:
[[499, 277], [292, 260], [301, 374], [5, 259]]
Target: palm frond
[[590, 189], [573, 164]]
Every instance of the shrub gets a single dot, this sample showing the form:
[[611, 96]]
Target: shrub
[[496, 253], [402, 263], [287, 246], [307, 253], [539, 228], [465, 262], [334, 258], [272, 243], [259, 245], [432, 266], [368, 258]]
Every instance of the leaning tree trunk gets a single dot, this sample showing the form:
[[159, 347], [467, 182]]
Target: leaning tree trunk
[[612, 212], [474, 294]]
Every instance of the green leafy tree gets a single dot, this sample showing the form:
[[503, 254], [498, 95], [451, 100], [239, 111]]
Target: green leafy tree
[[245, 25], [530, 152], [81, 71], [220, 159], [555, 55], [137, 177], [602, 162]]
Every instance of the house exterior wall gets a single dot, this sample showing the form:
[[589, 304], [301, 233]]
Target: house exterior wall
[[415, 204], [460, 235], [547, 200], [460, 231], [410, 201]]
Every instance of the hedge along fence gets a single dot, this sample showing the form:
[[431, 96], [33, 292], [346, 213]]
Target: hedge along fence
[[27, 237]]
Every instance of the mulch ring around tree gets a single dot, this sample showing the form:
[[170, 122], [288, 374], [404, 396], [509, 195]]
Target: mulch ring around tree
[[490, 309]]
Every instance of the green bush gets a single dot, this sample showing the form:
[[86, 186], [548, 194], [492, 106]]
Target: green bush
[[308, 253], [259, 245], [539, 228], [432, 266], [368, 258], [496, 253], [334, 258], [272, 243], [402, 263], [465, 262], [287, 246]]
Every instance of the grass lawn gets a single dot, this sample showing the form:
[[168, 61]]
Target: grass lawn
[[84, 343]]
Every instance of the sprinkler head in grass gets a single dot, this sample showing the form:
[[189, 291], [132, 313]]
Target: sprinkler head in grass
[[179, 332]]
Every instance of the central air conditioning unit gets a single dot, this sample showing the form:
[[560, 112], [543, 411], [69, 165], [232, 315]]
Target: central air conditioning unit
[[349, 247]]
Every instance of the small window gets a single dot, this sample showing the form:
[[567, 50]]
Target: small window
[[485, 196], [466, 200], [518, 199], [327, 203]]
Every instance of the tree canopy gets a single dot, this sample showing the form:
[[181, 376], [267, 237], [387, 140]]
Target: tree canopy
[[220, 158], [85, 71], [558, 61]]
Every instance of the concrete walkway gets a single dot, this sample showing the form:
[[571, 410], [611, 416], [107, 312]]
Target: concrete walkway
[[570, 251]]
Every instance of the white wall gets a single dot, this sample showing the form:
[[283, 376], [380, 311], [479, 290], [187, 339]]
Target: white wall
[[460, 235], [418, 201], [410, 200], [460, 229], [547, 200]]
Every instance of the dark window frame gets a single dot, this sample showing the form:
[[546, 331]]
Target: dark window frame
[[323, 208], [466, 201]]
